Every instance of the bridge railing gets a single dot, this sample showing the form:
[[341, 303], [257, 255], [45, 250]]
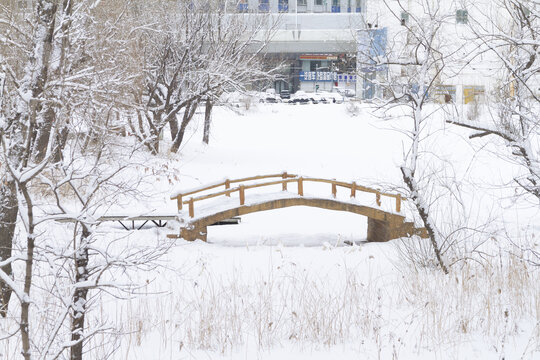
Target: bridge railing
[[284, 181], [227, 184]]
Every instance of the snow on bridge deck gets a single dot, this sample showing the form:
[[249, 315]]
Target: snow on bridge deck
[[385, 221]]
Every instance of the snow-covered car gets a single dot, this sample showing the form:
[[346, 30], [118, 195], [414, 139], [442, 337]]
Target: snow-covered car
[[300, 97], [345, 92], [270, 99], [317, 98], [285, 94], [269, 96], [333, 97]]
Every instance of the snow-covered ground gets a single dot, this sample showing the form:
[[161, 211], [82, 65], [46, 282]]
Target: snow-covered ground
[[284, 284]]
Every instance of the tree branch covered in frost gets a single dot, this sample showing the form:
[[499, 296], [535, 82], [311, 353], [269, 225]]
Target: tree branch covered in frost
[[60, 92], [421, 51], [516, 120], [194, 53]]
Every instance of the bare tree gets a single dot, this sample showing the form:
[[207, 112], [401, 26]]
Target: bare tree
[[401, 76], [94, 186], [514, 43], [65, 82], [196, 52], [17, 135]]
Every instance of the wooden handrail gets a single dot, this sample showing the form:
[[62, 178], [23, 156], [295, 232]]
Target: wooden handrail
[[227, 183], [286, 178]]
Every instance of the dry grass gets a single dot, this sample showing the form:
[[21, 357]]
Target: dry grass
[[411, 310], [395, 314]]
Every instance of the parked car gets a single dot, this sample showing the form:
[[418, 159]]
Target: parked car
[[269, 96], [318, 98], [333, 97], [300, 97], [270, 99], [345, 92], [285, 94]]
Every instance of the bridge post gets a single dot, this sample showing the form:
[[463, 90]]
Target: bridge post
[[179, 202], [242, 195], [334, 190], [191, 208], [227, 187], [284, 176], [378, 198], [398, 203], [353, 190], [300, 186]]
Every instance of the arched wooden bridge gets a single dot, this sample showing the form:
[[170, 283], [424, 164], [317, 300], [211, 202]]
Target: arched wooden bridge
[[382, 225]]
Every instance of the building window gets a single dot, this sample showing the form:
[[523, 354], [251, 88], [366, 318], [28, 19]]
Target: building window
[[473, 94], [319, 6], [462, 16], [283, 5], [336, 6], [358, 6], [315, 65], [404, 18], [264, 5], [301, 5], [242, 6], [444, 94]]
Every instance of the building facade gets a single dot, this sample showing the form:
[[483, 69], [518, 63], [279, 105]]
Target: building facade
[[322, 41], [314, 40]]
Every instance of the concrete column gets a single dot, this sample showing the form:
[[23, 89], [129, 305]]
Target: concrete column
[[273, 4], [292, 6], [344, 5], [310, 5]]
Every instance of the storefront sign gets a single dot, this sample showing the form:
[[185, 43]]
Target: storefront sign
[[326, 76], [318, 57]]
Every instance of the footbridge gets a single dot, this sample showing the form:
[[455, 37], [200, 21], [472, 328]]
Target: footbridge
[[238, 197]]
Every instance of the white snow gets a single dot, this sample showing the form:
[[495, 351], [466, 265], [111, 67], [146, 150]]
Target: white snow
[[302, 283], [292, 257]]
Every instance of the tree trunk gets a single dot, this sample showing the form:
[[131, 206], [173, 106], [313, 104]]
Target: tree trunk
[[49, 114], [189, 112], [28, 276], [424, 215], [44, 127], [173, 126], [8, 218], [80, 296], [20, 150], [152, 140], [60, 143], [207, 120]]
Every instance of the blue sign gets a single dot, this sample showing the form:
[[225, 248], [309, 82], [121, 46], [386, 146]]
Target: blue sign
[[320, 76], [372, 50], [371, 58]]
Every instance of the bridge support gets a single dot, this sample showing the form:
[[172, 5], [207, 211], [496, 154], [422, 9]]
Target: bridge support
[[378, 230], [194, 233], [382, 226], [392, 228]]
